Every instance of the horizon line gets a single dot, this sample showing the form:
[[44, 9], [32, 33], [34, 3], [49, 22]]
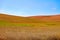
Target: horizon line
[[30, 15]]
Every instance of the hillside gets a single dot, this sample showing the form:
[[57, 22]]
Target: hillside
[[47, 18], [30, 21], [10, 18], [19, 19], [29, 28]]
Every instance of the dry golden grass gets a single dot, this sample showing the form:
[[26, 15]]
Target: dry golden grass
[[30, 33], [33, 19], [29, 28]]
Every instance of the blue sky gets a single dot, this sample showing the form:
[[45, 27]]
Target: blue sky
[[30, 7]]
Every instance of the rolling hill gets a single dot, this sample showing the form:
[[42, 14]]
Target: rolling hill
[[29, 28], [20, 19], [32, 20]]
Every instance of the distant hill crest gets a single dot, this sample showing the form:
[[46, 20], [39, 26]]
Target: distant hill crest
[[19, 19]]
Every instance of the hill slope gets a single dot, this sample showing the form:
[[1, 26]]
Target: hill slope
[[47, 18], [30, 21], [16, 19], [20, 19]]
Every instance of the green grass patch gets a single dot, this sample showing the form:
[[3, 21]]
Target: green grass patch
[[40, 24]]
